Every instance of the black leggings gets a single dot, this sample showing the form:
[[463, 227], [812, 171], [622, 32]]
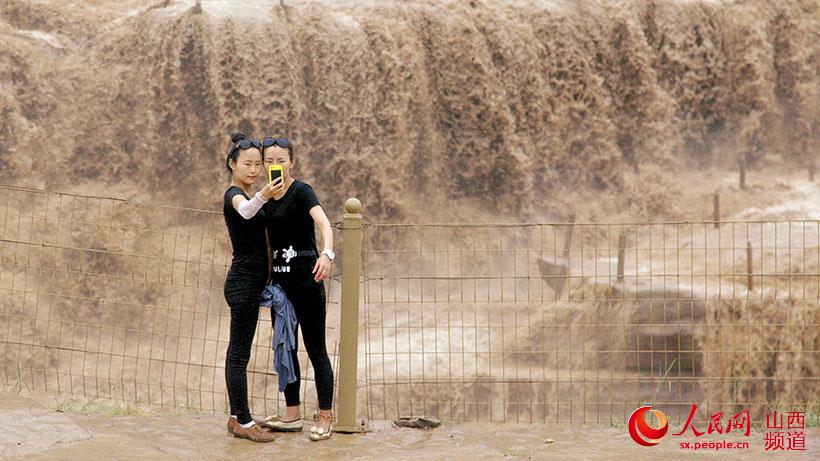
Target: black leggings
[[308, 300], [243, 296]]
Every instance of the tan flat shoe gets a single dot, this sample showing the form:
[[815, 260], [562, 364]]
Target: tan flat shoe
[[254, 433], [276, 424]]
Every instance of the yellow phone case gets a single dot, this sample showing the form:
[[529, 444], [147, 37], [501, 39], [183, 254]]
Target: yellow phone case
[[273, 168]]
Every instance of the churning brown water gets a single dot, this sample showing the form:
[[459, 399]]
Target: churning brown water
[[398, 102], [463, 108]]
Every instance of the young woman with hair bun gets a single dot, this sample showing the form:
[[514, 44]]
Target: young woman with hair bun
[[247, 275]]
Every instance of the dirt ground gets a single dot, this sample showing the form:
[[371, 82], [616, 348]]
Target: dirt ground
[[34, 432]]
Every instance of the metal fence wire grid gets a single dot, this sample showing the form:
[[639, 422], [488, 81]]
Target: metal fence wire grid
[[551, 322]]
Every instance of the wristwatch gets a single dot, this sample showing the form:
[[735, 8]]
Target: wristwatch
[[329, 253]]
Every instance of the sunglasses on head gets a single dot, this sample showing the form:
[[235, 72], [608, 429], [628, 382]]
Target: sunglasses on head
[[247, 143], [280, 142]]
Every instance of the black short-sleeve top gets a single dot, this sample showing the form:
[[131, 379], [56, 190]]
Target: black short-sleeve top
[[291, 228], [250, 254]]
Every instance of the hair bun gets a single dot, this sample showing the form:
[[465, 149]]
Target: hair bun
[[238, 136]]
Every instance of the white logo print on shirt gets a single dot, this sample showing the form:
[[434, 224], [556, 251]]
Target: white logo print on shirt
[[288, 254]]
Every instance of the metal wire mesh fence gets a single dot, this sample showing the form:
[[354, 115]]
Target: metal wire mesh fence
[[584, 322], [113, 300], [121, 301]]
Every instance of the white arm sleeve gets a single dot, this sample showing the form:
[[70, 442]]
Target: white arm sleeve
[[249, 208]]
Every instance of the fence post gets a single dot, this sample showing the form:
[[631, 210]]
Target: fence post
[[349, 329], [749, 283], [621, 255], [743, 173], [717, 210], [568, 238]]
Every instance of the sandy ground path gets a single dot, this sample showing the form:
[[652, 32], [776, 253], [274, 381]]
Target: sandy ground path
[[34, 432]]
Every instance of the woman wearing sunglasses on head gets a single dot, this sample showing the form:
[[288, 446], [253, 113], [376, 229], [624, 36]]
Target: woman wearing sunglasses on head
[[246, 277], [300, 270]]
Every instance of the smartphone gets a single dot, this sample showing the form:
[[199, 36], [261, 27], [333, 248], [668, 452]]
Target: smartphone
[[274, 171]]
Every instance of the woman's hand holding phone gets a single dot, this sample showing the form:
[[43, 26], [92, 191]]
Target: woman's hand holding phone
[[272, 188]]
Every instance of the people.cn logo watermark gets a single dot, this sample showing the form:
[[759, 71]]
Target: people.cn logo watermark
[[642, 432]]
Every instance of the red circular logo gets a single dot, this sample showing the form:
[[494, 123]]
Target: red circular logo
[[642, 432]]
